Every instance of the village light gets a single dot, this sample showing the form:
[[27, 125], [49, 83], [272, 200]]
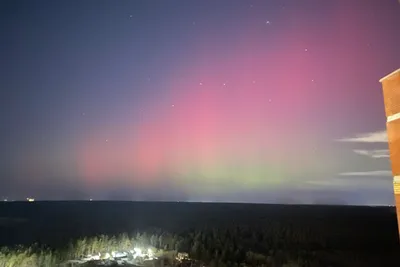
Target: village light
[[107, 256], [138, 251]]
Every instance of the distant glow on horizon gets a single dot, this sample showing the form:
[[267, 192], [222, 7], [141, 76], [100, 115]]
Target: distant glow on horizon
[[216, 139], [220, 138], [252, 103]]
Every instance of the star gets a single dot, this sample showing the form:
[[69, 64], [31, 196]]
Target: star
[[254, 81], [267, 22], [130, 16], [270, 100], [224, 84], [312, 80], [201, 83], [106, 140], [172, 105], [306, 49], [83, 113]]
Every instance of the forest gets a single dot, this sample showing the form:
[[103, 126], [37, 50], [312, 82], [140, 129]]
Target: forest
[[225, 235]]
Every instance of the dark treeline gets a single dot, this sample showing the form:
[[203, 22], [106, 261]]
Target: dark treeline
[[269, 247], [218, 234]]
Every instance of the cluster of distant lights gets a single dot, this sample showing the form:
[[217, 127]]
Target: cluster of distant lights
[[27, 199], [33, 200], [136, 253]]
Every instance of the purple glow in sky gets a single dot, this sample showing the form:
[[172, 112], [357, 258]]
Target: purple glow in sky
[[258, 101]]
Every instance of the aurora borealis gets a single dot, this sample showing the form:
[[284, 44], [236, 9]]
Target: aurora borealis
[[196, 100]]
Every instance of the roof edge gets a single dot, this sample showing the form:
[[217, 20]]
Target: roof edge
[[389, 75]]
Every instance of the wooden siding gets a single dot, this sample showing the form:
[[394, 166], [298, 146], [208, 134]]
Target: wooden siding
[[391, 96]]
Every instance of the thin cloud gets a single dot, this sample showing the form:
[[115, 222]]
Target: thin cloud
[[367, 173], [360, 180], [376, 154], [374, 137], [330, 182]]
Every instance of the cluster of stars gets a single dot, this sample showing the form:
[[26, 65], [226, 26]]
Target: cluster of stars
[[224, 84], [267, 22], [201, 83]]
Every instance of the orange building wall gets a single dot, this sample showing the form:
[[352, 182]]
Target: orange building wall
[[391, 96]]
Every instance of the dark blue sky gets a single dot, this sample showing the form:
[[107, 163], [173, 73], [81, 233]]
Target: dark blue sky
[[196, 100]]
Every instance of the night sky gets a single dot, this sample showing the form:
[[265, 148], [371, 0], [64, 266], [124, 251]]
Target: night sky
[[235, 101]]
